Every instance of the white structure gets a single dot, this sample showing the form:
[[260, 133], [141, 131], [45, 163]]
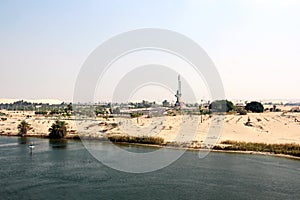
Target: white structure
[[178, 95]]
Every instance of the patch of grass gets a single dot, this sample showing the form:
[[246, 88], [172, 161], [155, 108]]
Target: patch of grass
[[136, 139], [288, 149], [135, 115]]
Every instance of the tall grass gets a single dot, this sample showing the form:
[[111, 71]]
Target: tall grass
[[288, 149], [136, 139]]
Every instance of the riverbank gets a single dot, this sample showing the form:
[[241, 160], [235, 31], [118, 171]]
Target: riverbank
[[219, 148], [271, 132], [270, 127]]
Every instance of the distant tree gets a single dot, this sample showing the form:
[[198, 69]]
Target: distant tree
[[221, 106], [201, 113], [23, 128], [255, 107], [68, 110], [100, 110], [70, 107], [165, 103], [274, 108], [116, 110], [58, 130], [56, 112]]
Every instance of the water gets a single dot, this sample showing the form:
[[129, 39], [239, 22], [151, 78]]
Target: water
[[67, 171]]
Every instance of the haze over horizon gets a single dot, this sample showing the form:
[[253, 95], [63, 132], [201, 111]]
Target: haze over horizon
[[255, 44]]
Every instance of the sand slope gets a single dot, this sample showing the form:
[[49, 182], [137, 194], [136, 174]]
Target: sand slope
[[277, 127]]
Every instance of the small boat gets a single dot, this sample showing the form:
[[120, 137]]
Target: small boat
[[31, 146]]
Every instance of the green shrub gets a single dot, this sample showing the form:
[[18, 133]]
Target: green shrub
[[134, 115], [41, 112], [136, 139], [221, 106], [255, 107]]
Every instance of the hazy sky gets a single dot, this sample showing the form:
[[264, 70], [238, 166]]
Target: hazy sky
[[255, 45]]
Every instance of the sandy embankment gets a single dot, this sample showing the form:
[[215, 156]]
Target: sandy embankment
[[269, 127]]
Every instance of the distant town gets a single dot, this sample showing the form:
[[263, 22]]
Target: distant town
[[148, 108], [144, 107]]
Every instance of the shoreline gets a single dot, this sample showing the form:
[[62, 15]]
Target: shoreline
[[78, 138], [258, 153]]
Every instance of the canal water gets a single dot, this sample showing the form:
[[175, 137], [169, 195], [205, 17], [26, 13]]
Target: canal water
[[66, 170]]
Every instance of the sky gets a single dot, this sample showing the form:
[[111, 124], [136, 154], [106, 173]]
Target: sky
[[255, 45]]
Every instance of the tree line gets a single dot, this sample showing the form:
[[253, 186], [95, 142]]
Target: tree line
[[228, 106]]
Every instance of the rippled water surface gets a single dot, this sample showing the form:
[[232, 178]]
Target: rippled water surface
[[65, 170]]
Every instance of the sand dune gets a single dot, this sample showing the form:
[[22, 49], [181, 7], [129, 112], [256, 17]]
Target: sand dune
[[269, 127]]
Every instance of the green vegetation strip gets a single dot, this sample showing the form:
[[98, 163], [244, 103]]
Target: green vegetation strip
[[287, 149], [140, 140]]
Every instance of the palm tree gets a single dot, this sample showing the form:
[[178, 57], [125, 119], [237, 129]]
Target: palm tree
[[23, 128], [58, 129]]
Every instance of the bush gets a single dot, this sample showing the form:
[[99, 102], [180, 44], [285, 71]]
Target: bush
[[2, 114], [134, 115], [41, 112], [255, 107], [56, 112], [221, 106], [138, 139]]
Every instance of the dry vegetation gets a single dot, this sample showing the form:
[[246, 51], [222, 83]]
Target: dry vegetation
[[288, 149], [136, 139]]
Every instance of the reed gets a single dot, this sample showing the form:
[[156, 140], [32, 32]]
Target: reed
[[136, 139], [288, 149]]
